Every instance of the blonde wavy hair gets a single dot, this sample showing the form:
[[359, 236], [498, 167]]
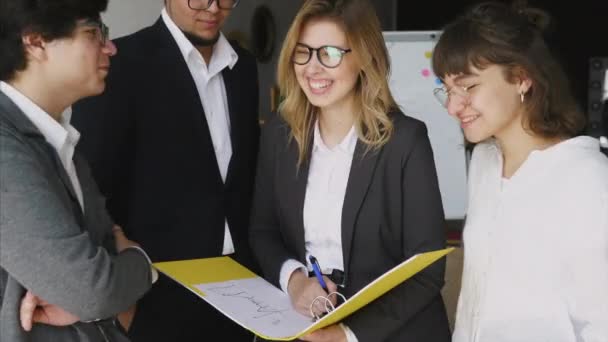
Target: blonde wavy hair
[[372, 94]]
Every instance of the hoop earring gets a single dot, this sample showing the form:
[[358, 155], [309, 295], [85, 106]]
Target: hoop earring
[[521, 96]]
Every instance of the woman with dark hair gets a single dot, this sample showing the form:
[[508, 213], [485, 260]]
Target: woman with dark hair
[[536, 232], [345, 177]]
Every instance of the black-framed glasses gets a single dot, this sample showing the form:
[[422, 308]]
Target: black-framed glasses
[[443, 96], [103, 31], [204, 4], [329, 56]]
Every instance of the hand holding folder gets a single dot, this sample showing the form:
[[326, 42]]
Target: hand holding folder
[[267, 311]]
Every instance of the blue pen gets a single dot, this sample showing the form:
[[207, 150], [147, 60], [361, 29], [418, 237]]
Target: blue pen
[[317, 269]]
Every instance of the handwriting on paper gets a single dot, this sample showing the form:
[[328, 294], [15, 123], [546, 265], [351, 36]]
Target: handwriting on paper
[[234, 291], [256, 304]]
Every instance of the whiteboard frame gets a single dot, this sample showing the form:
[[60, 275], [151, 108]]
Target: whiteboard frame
[[432, 37]]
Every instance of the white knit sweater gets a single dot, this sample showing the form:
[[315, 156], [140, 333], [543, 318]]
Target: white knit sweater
[[536, 247]]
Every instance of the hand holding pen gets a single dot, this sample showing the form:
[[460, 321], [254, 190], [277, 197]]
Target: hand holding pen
[[303, 290], [326, 302]]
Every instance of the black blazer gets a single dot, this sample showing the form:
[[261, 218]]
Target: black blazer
[[150, 148], [392, 210], [148, 143]]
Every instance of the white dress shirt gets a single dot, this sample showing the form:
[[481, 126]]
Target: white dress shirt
[[327, 179], [536, 247], [212, 91]]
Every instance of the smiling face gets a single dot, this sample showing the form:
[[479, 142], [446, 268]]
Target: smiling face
[[490, 107], [327, 88], [200, 26]]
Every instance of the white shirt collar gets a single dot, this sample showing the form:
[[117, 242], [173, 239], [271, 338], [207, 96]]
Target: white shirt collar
[[223, 53], [347, 145], [55, 133], [578, 142]]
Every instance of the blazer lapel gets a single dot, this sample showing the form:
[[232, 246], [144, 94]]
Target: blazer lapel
[[361, 172], [234, 109], [63, 174], [299, 197], [166, 50], [293, 181], [27, 128], [65, 179]]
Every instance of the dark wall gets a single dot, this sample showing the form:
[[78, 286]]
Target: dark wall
[[580, 30], [385, 9]]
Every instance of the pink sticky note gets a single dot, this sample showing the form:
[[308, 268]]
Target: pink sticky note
[[426, 72]]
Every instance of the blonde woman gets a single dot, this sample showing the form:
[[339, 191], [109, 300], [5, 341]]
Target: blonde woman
[[345, 177]]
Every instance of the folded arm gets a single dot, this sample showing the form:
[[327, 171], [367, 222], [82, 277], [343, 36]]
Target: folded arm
[[45, 250]]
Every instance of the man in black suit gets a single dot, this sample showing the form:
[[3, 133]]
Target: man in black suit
[[177, 159]]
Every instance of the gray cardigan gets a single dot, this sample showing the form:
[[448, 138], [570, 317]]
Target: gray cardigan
[[49, 246]]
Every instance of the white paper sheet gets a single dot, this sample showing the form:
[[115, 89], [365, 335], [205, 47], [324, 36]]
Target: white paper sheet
[[257, 305]]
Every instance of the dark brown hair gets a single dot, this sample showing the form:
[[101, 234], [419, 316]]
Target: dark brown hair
[[493, 33], [51, 19]]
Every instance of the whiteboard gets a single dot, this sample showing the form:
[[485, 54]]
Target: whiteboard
[[412, 82]]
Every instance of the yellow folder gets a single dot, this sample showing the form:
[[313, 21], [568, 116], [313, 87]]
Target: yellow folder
[[265, 310]]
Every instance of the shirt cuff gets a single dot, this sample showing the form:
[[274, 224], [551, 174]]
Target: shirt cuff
[[92, 320], [153, 271], [350, 335], [287, 269]]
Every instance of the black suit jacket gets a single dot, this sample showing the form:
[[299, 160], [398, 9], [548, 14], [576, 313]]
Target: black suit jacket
[[148, 143], [392, 210]]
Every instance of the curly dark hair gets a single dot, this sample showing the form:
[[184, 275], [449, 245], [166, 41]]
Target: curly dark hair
[[51, 19], [493, 33]]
